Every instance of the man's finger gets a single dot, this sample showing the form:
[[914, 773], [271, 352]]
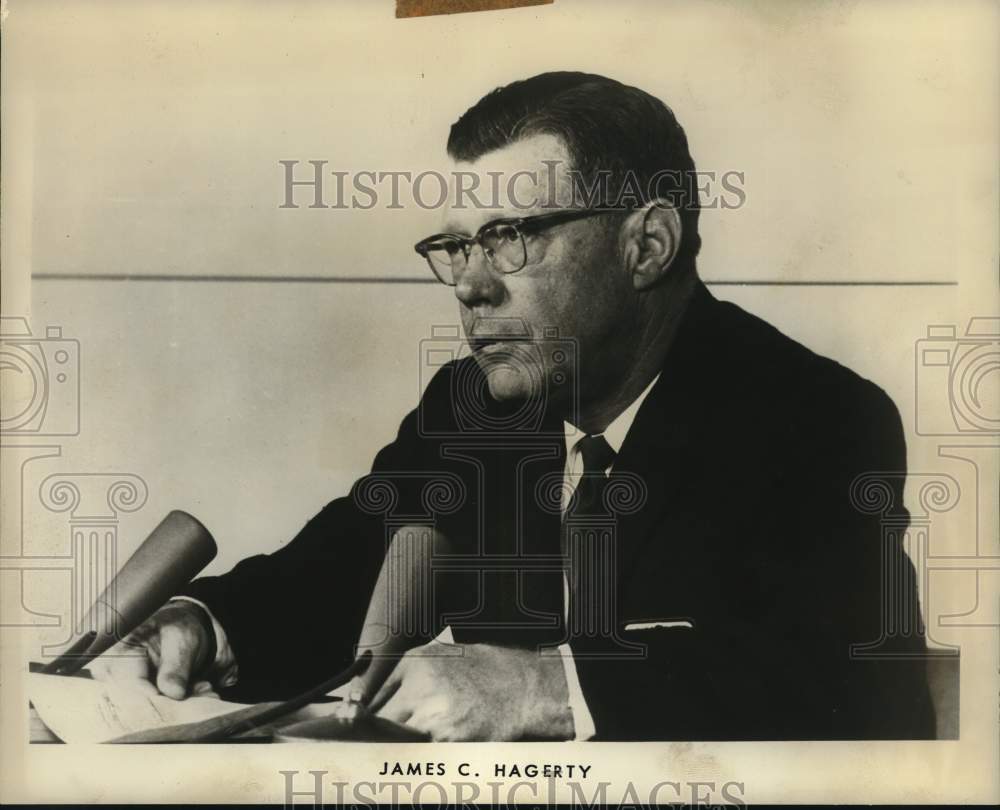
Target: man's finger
[[176, 663], [203, 689], [398, 708], [123, 662], [431, 716], [389, 688]]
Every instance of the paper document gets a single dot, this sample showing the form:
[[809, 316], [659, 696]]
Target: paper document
[[81, 710]]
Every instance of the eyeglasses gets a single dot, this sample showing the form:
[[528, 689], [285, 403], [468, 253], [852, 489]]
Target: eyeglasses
[[502, 241]]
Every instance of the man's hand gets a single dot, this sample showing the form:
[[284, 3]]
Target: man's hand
[[168, 653], [478, 692]]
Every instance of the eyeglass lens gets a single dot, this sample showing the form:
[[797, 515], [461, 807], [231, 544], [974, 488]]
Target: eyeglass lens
[[502, 245]]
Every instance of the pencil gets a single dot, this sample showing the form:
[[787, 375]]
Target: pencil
[[64, 664]]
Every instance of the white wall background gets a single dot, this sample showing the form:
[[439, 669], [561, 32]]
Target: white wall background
[[142, 139]]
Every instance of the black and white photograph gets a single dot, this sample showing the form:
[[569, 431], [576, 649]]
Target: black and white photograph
[[519, 402]]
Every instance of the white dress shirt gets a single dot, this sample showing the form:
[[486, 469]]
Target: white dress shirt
[[226, 669], [614, 434]]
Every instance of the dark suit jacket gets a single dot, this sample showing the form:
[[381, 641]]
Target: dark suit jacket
[[746, 451]]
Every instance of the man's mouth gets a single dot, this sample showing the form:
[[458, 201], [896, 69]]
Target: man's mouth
[[486, 342], [490, 332]]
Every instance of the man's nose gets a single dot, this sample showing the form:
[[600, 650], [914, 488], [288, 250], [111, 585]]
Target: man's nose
[[478, 283]]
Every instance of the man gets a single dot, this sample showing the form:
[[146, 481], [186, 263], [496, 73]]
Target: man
[[724, 592]]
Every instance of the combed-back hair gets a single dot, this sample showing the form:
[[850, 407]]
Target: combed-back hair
[[609, 129]]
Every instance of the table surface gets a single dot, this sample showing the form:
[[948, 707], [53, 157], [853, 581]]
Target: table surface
[[38, 732], [943, 675]]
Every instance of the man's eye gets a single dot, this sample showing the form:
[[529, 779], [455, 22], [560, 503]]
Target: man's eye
[[507, 233], [451, 248]]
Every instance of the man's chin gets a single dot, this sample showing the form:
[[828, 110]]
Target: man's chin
[[507, 385]]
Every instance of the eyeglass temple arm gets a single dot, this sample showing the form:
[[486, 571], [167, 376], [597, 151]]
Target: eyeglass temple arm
[[542, 221]]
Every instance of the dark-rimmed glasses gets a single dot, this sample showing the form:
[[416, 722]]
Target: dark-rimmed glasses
[[502, 241]]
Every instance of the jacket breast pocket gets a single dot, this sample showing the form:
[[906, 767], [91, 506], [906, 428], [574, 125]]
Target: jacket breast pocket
[[678, 623]]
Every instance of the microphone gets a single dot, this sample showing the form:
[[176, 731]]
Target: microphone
[[400, 616], [401, 611], [176, 550]]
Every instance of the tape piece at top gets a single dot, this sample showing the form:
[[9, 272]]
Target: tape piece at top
[[426, 8]]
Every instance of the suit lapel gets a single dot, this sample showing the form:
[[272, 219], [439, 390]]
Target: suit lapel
[[666, 430]]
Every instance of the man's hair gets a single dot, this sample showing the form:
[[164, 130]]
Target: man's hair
[[609, 129]]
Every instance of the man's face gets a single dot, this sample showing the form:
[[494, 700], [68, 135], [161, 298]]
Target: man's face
[[573, 285]]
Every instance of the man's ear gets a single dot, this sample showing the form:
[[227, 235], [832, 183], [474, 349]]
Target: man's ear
[[652, 236]]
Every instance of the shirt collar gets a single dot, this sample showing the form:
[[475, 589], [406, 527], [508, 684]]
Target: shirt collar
[[615, 432]]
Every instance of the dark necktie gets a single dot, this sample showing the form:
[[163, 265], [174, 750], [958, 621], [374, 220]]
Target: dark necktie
[[583, 526], [597, 457]]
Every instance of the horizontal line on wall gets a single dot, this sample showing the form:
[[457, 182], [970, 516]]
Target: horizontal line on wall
[[778, 283], [413, 280], [234, 278]]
